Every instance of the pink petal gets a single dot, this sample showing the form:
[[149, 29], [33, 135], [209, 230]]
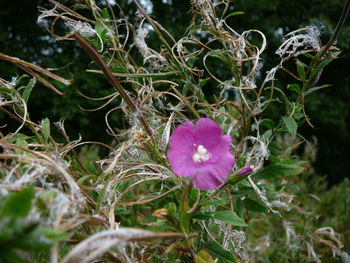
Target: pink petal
[[210, 176], [183, 143], [224, 165], [207, 133], [221, 148], [207, 178], [181, 164], [181, 149], [182, 139]]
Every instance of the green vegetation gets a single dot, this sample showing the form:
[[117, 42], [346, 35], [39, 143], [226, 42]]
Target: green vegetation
[[114, 196]]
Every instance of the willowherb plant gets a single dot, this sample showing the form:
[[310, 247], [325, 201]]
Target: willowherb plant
[[148, 200]]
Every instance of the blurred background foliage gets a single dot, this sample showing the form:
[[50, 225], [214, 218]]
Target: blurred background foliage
[[22, 37]]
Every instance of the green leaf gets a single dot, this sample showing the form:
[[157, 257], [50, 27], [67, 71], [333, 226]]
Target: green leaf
[[213, 202], [267, 123], [322, 65], [218, 252], [105, 13], [101, 31], [28, 89], [203, 257], [237, 13], [172, 209], [308, 55], [291, 125], [23, 77], [17, 137], [5, 90], [294, 87], [202, 216], [254, 205], [309, 91], [267, 135], [18, 204], [285, 99], [10, 256], [185, 221], [220, 54], [229, 217], [279, 169], [202, 82], [45, 128], [51, 235], [301, 70]]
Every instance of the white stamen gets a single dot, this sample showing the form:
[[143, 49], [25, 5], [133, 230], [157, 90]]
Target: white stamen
[[201, 155], [196, 158], [201, 150]]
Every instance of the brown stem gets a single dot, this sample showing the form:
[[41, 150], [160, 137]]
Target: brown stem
[[115, 83]]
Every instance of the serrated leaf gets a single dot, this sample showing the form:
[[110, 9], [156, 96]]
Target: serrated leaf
[[229, 217], [291, 125], [218, 252]]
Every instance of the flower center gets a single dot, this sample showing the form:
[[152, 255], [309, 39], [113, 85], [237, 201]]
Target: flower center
[[201, 155]]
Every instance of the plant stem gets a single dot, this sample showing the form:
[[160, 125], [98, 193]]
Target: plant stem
[[337, 30], [116, 84]]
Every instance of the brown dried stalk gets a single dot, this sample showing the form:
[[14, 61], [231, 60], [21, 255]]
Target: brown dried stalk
[[115, 83], [34, 70]]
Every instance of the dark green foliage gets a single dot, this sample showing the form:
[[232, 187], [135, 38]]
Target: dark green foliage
[[329, 108], [219, 253], [19, 233]]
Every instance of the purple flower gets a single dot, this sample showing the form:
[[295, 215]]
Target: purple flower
[[200, 152]]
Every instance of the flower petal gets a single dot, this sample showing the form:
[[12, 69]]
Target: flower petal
[[181, 164], [221, 148], [224, 165], [182, 139], [207, 133], [181, 149], [207, 178], [185, 142]]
